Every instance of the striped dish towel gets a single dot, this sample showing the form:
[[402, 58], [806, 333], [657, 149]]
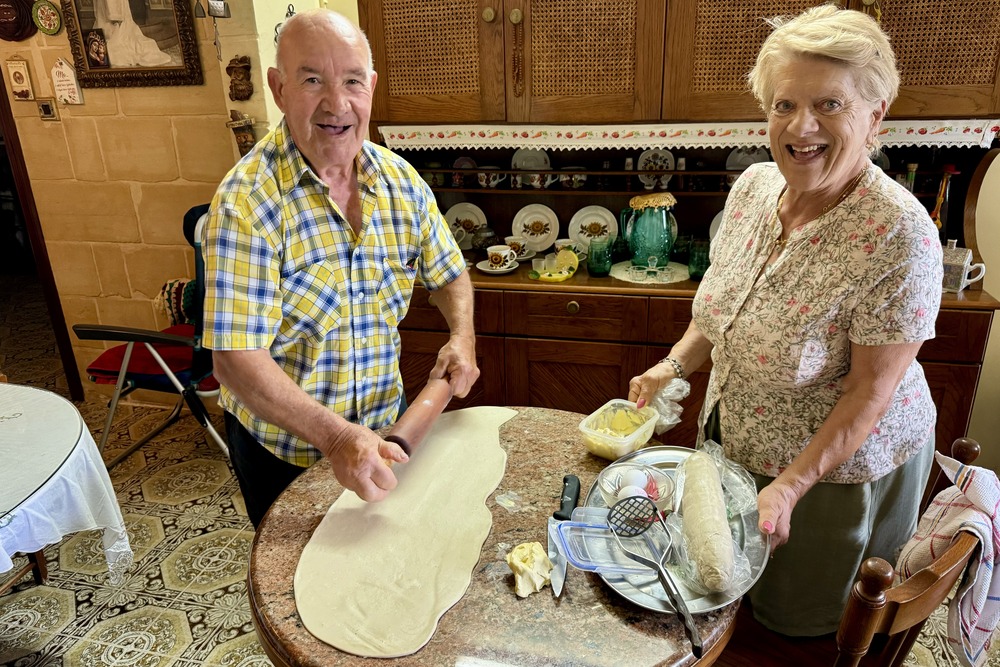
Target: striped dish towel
[[970, 505]]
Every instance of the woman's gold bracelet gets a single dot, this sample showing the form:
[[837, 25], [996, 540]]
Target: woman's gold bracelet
[[676, 365]]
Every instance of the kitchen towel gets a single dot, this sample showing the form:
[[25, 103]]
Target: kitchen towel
[[970, 505]]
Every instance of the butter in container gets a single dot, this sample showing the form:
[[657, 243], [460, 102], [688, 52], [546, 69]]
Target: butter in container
[[617, 428]]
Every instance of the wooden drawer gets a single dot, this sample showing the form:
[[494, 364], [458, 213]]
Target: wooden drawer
[[668, 319], [580, 316], [961, 336], [423, 315]]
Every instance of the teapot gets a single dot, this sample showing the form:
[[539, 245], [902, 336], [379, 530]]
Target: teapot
[[483, 238], [651, 229]]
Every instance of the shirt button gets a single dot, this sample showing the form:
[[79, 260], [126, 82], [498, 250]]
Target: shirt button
[[363, 340]]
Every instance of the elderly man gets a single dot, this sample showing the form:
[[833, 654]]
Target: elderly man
[[312, 246]]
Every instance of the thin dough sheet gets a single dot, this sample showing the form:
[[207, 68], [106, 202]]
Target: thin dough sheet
[[375, 578]]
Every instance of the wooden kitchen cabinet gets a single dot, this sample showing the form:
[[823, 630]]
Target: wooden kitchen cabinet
[[711, 47], [553, 61]]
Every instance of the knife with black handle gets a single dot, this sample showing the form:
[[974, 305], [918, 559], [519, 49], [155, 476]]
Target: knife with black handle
[[568, 501]]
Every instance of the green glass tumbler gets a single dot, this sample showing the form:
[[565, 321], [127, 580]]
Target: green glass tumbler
[[599, 257], [698, 259]]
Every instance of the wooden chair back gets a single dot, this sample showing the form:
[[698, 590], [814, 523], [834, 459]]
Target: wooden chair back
[[876, 607]]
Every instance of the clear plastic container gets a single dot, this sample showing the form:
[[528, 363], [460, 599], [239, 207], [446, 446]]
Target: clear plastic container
[[657, 484], [602, 436], [592, 547]]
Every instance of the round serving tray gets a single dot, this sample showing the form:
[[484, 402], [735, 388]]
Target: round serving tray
[[645, 590]]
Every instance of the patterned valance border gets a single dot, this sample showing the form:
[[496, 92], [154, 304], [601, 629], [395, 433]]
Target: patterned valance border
[[945, 133]]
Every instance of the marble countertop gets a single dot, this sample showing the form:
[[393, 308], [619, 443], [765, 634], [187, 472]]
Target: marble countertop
[[590, 625]]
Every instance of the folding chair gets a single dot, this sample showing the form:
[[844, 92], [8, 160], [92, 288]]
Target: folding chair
[[172, 360]]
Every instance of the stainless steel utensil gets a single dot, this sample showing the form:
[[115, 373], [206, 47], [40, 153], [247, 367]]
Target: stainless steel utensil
[[568, 501], [633, 516]]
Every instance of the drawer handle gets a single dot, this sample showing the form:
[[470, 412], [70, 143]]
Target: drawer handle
[[430, 299], [572, 307], [489, 14]]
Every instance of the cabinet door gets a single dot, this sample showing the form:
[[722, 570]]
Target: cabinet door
[[947, 59], [711, 46], [589, 61], [420, 350], [953, 387], [439, 62], [568, 375]]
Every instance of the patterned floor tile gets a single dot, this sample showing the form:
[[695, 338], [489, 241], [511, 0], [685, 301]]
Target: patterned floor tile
[[244, 651], [148, 637], [30, 618], [208, 562], [186, 481]]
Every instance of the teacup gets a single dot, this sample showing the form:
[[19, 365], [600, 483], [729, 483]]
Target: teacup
[[958, 276], [541, 181], [491, 179], [518, 244], [958, 266], [500, 256], [571, 179], [569, 244]]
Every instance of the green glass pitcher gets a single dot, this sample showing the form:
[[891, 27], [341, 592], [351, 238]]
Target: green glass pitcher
[[651, 229]]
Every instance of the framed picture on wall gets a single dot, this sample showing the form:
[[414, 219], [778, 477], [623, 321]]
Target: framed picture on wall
[[132, 43]]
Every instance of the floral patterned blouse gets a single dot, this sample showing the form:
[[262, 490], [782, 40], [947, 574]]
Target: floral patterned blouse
[[867, 272]]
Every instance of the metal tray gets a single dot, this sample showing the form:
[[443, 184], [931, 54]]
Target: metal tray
[[645, 590]]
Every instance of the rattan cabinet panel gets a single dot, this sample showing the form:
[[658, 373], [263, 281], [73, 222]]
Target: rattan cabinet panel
[[947, 55], [516, 60]]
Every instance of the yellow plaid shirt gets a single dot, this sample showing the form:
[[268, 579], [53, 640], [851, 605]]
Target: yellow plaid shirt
[[284, 271]]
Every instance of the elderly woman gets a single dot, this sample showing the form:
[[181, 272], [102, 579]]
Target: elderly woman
[[825, 280]]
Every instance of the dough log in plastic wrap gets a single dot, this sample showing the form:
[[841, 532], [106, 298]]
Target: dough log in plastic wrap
[[706, 528]]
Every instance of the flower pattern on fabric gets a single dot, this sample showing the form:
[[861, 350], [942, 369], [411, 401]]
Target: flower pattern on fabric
[[867, 272]]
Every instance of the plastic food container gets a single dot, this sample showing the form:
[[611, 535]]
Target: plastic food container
[[617, 428], [657, 485], [592, 547]]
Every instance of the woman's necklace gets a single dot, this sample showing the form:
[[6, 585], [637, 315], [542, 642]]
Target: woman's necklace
[[781, 242]]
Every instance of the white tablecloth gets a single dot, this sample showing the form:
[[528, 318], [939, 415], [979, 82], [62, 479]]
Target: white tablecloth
[[44, 444]]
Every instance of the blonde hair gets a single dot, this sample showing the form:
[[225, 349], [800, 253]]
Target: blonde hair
[[845, 36]]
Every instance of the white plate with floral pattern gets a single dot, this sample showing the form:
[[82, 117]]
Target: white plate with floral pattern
[[655, 159], [530, 159], [537, 223], [592, 222], [467, 217]]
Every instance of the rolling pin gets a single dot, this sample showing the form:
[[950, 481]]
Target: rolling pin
[[414, 424]]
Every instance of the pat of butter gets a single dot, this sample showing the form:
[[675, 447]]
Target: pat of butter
[[531, 567]]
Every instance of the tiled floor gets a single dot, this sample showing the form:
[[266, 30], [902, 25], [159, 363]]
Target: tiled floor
[[184, 603]]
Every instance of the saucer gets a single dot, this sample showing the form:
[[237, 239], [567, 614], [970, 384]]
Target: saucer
[[526, 256], [484, 266]]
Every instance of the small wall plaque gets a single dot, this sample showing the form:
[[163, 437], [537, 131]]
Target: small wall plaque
[[20, 79]]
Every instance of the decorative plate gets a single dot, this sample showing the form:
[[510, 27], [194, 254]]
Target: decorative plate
[[468, 217], [592, 222], [464, 163], [47, 17], [655, 160], [484, 266], [531, 159], [741, 158], [538, 224], [713, 229]]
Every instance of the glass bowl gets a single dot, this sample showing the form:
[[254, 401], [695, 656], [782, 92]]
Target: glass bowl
[[658, 485]]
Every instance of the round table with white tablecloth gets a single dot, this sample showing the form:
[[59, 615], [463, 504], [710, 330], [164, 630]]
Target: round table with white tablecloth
[[54, 480]]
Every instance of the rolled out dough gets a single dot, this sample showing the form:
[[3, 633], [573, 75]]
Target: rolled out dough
[[374, 578]]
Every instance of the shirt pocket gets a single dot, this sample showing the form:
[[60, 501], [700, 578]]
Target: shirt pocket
[[396, 288], [311, 306]]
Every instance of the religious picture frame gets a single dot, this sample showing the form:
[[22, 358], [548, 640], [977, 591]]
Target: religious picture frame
[[20, 79], [122, 43]]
